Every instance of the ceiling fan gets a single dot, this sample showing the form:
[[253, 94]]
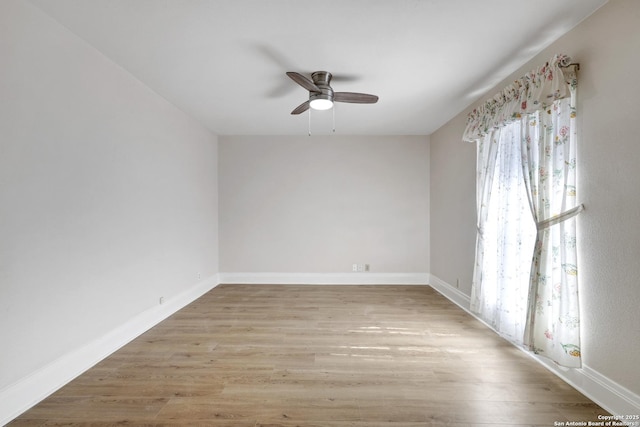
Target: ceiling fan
[[321, 96]]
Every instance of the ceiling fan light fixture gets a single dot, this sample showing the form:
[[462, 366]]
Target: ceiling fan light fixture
[[321, 104], [322, 96]]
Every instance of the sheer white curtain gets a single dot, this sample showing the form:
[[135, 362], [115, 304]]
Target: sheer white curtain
[[486, 148], [500, 293], [526, 193]]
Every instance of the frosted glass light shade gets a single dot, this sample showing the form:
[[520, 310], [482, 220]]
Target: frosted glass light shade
[[321, 104]]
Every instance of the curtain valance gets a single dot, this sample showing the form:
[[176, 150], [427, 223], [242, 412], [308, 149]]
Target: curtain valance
[[535, 91]]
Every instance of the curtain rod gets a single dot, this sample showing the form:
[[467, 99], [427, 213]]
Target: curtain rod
[[573, 64]]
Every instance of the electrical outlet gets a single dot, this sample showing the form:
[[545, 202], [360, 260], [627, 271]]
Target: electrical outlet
[[367, 267], [360, 268], [354, 267]]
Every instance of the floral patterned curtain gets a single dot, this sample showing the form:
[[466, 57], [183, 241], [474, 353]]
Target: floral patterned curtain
[[549, 158], [533, 92], [533, 119]]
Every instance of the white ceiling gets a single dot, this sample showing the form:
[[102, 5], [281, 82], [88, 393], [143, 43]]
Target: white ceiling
[[224, 61]]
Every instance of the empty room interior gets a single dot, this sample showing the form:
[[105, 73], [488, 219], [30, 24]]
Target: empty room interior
[[252, 213]]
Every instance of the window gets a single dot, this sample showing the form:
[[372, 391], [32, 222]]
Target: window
[[526, 139]]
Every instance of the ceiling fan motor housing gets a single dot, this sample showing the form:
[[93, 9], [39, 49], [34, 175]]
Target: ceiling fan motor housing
[[322, 79]]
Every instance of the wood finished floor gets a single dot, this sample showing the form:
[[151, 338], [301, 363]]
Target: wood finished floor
[[263, 355]]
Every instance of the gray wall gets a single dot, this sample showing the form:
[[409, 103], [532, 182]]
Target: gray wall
[[107, 194], [320, 204], [607, 46]]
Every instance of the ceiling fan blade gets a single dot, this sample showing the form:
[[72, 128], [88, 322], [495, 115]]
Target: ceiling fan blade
[[301, 108], [355, 98], [344, 78], [303, 81]]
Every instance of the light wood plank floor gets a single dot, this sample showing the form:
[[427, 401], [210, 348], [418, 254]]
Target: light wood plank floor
[[263, 355]]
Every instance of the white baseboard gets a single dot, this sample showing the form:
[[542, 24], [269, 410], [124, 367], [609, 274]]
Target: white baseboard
[[605, 392], [22, 395], [325, 278], [453, 294]]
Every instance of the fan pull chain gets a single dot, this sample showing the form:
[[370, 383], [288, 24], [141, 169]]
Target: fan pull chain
[[309, 121], [334, 117]]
